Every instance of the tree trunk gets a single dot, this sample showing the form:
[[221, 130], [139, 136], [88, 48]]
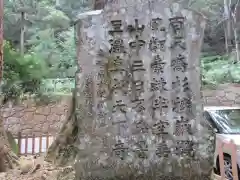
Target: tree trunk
[[8, 159], [236, 44], [227, 16], [235, 30], [62, 152], [1, 40], [22, 33], [226, 39]]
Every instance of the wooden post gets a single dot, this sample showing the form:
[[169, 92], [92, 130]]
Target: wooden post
[[33, 144], [22, 33], [221, 161], [26, 145], [40, 144], [231, 146], [47, 141], [19, 143]]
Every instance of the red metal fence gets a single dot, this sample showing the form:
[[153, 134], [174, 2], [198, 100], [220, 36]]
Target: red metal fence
[[232, 148]]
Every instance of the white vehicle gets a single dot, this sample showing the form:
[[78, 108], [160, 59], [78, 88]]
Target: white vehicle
[[226, 123]]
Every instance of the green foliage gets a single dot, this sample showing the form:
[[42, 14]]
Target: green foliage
[[72, 7], [48, 35], [59, 53], [22, 74], [219, 70], [50, 46], [58, 86]]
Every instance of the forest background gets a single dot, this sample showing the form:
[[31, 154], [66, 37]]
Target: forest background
[[40, 54]]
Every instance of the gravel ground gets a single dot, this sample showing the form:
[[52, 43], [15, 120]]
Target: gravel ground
[[32, 169]]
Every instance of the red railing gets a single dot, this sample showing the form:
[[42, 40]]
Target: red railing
[[232, 149]]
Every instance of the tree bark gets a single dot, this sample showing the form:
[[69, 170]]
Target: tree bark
[[1, 40], [236, 44], [62, 152], [22, 33], [227, 28], [8, 159], [235, 30], [226, 39]]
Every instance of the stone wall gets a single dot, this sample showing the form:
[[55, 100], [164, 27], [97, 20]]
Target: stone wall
[[223, 95], [29, 118]]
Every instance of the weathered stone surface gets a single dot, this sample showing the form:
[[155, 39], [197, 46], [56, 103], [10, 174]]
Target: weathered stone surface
[[53, 117], [208, 93], [237, 101], [140, 77], [230, 96], [40, 118], [34, 119], [213, 101], [59, 109], [223, 95], [44, 110], [226, 103], [12, 120]]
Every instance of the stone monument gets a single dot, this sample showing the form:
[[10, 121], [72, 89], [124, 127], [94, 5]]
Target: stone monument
[[139, 108]]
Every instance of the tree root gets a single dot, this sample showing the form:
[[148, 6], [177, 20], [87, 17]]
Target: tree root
[[8, 158], [12, 159]]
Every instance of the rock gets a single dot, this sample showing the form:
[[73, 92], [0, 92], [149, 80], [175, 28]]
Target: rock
[[37, 166], [44, 177], [2, 175], [231, 96], [69, 176], [105, 111], [26, 164]]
